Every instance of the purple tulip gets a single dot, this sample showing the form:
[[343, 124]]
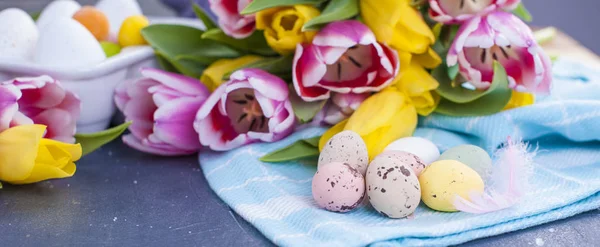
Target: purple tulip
[[252, 106], [39, 100], [162, 106], [339, 108], [501, 37], [344, 57], [455, 11]]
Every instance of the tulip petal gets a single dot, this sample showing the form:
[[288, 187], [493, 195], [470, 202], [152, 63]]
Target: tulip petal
[[22, 140], [8, 105], [308, 70], [61, 125], [134, 143], [174, 123], [266, 84], [181, 83]]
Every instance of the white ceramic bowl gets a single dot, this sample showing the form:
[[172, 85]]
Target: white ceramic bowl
[[95, 85]]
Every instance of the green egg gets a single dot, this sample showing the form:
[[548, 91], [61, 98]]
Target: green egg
[[473, 156], [110, 49]]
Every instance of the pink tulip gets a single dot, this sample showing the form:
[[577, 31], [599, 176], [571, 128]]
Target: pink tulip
[[339, 108], [252, 106], [344, 57], [231, 21], [501, 37], [39, 100], [455, 11], [162, 106]]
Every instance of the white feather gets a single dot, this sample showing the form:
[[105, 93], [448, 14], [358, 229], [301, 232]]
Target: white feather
[[507, 183]]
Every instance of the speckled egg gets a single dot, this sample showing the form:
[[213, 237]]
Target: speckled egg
[[338, 187], [346, 147], [392, 186], [421, 147], [443, 180], [472, 156], [415, 163]]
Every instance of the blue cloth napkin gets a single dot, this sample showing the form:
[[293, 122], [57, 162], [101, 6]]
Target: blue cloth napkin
[[276, 198]]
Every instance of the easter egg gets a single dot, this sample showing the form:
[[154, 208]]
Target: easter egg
[[421, 147], [131, 31], [472, 156], [65, 43], [443, 180], [346, 147], [338, 187], [110, 49], [18, 34], [392, 187], [94, 20], [413, 161], [57, 9], [117, 11]]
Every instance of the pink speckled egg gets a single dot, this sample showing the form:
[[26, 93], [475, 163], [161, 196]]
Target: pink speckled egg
[[338, 187]]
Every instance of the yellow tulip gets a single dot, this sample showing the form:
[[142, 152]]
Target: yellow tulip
[[283, 26], [26, 157], [212, 76], [519, 99], [397, 24], [380, 120], [417, 84]]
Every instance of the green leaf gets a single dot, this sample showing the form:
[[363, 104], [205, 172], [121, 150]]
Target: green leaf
[[172, 41], [304, 111], [493, 101], [258, 5], [437, 30], [255, 43], [93, 141], [0, 185], [452, 91], [453, 71], [298, 150], [35, 17], [211, 53], [165, 64], [313, 141], [279, 66], [522, 13], [208, 22], [336, 10]]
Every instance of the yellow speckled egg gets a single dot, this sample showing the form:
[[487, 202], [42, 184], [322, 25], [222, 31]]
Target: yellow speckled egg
[[443, 180]]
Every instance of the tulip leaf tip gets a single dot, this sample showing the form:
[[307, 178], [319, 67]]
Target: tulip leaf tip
[[301, 149], [91, 142]]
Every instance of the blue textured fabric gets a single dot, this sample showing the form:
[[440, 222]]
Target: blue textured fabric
[[276, 198]]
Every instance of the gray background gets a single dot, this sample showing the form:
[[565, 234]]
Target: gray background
[[578, 18]]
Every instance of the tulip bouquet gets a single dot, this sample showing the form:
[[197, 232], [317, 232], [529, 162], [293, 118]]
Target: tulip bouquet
[[264, 68], [37, 131]]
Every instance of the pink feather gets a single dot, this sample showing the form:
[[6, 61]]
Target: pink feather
[[507, 183]]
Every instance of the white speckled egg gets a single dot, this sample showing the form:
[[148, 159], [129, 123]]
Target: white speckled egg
[[338, 187], [472, 156], [117, 11], [421, 147], [346, 147], [392, 186], [18, 34], [65, 43], [57, 9], [415, 163]]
